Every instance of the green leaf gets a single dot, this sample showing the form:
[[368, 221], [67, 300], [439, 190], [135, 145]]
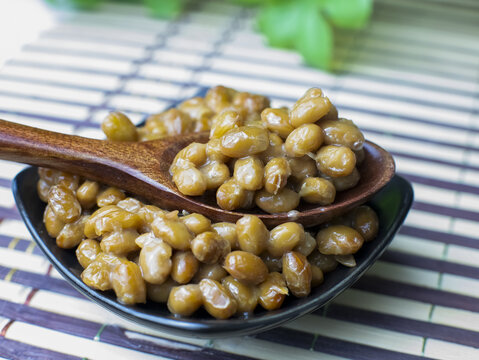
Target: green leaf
[[165, 8], [248, 2], [349, 14], [315, 38], [279, 22], [75, 4], [258, 2]]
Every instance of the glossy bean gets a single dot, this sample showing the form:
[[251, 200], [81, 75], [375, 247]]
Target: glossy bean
[[217, 300], [87, 251], [128, 283], [297, 273], [176, 122], [244, 141], [224, 122], [246, 296], [194, 153], [196, 223], [87, 193], [174, 233], [277, 121], [246, 267], [209, 247], [108, 219], [285, 200], [130, 204], [64, 203], [184, 266], [366, 222], [311, 107], [155, 262], [53, 224], [342, 132], [154, 129], [317, 190], [190, 181], [215, 174], [72, 234], [303, 140], [252, 103], [272, 291], [118, 127], [146, 238], [336, 161], [228, 232], [184, 300], [346, 182], [248, 173], [231, 195], [284, 238], [276, 174], [252, 234], [97, 275], [209, 271], [120, 243], [219, 97], [110, 196], [339, 240], [160, 293]]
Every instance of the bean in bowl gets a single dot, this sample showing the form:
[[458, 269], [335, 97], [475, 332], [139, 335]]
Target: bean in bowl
[[144, 253], [256, 155]]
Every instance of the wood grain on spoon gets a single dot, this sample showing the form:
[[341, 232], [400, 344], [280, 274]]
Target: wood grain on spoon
[[141, 168]]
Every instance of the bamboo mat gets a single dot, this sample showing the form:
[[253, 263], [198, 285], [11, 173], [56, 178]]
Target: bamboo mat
[[411, 81]]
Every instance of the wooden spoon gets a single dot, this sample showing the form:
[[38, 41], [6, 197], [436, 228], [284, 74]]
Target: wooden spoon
[[141, 168]]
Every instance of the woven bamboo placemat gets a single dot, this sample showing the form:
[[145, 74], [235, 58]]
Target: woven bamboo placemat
[[410, 81]]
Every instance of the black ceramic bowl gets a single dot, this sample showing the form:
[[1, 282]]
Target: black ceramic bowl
[[392, 204]]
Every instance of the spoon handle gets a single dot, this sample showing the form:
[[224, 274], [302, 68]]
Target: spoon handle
[[25, 144]]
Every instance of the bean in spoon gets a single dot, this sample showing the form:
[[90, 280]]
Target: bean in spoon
[[142, 168]]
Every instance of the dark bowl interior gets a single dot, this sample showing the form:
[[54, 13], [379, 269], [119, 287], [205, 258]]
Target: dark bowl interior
[[392, 204]]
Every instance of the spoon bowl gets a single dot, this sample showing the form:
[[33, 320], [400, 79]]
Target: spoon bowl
[[392, 204], [142, 168]]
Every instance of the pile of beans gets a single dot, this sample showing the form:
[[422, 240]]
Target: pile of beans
[[142, 252], [193, 115], [272, 158], [277, 156]]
